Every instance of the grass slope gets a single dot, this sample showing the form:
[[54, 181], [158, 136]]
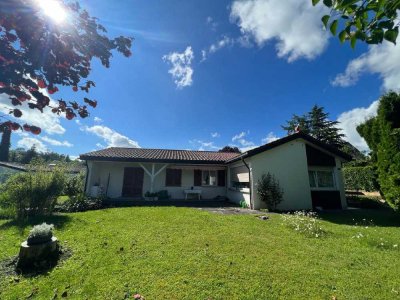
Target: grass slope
[[183, 253]]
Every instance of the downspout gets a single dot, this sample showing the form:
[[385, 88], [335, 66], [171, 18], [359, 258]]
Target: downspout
[[251, 192], [87, 176]]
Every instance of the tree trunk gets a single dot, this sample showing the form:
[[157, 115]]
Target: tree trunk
[[5, 144]]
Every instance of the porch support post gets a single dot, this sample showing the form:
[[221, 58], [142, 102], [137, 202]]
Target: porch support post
[[153, 174]]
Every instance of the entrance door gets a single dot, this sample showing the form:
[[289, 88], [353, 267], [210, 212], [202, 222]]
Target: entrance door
[[133, 182]]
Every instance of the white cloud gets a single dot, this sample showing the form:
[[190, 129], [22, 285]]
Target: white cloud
[[383, 59], [54, 142], [29, 142], [181, 69], [349, 120], [215, 134], [99, 145], [225, 41], [295, 25], [204, 146], [222, 43], [97, 120], [210, 22], [269, 138], [243, 144], [111, 137], [238, 136], [48, 121]]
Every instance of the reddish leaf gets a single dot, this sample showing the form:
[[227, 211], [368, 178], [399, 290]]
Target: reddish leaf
[[17, 113], [36, 130], [41, 84]]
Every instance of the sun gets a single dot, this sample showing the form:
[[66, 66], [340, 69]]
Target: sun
[[53, 9]]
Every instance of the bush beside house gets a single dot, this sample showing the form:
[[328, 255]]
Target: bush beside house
[[31, 193], [269, 191], [360, 178]]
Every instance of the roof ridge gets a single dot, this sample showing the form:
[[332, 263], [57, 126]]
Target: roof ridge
[[205, 151]]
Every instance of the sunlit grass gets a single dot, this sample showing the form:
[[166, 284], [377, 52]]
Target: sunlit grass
[[184, 253]]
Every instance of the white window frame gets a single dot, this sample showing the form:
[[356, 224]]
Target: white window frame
[[216, 178], [315, 172]]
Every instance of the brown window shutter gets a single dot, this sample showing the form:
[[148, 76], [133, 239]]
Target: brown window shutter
[[221, 177], [173, 177], [197, 178], [178, 177]]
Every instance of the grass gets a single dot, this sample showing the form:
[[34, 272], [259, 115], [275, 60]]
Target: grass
[[185, 253]]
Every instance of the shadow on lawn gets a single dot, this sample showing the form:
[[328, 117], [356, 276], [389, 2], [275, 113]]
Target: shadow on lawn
[[58, 221], [384, 217]]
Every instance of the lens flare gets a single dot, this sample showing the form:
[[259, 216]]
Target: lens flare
[[53, 9]]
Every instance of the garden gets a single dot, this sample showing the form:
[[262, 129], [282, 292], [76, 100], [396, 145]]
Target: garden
[[187, 253], [59, 243]]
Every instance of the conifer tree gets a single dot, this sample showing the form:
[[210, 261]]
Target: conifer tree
[[317, 124], [382, 134]]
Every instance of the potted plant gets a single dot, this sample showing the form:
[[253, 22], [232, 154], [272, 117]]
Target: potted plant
[[40, 248], [151, 196]]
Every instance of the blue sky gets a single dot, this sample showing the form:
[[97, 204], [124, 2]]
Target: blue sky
[[241, 69]]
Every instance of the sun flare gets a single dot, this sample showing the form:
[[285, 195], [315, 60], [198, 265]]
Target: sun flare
[[53, 9]]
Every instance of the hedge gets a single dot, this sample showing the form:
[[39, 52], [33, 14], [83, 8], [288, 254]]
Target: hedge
[[360, 178]]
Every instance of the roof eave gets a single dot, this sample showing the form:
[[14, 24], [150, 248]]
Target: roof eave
[[141, 160]]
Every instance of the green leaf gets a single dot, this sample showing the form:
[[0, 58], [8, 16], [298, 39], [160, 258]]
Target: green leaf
[[325, 20], [328, 3], [391, 35], [353, 41], [315, 2], [334, 26], [342, 36]]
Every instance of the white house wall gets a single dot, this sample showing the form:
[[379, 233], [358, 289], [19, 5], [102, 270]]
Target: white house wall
[[99, 171], [288, 163]]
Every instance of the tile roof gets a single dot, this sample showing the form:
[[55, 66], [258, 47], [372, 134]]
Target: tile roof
[[160, 155], [197, 157]]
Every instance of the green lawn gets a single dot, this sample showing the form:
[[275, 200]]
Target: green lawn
[[185, 253]]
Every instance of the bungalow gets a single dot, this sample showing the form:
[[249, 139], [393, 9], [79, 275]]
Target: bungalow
[[308, 171]]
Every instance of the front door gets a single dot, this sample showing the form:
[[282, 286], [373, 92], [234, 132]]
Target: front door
[[133, 182]]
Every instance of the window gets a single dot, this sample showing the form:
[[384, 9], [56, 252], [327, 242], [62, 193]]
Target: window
[[240, 178], [209, 178], [321, 179], [173, 177]]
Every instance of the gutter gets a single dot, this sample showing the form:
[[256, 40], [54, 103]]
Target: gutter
[[251, 190]]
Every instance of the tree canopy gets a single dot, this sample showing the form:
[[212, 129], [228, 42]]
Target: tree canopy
[[317, 124], [230, 149], [39, 55], [382, 134], [370, 21]]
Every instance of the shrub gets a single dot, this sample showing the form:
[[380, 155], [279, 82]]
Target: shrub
[[80, 203], [32, 193], [40, 234], [269, 191], [74, 185], [382, 134], [364, 202], [243, 204], [163, 194], [360, 178], [306, 223]]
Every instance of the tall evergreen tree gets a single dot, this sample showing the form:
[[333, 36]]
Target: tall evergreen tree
[[300, 122], [382, 134], [317, 124], [5, 144]]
